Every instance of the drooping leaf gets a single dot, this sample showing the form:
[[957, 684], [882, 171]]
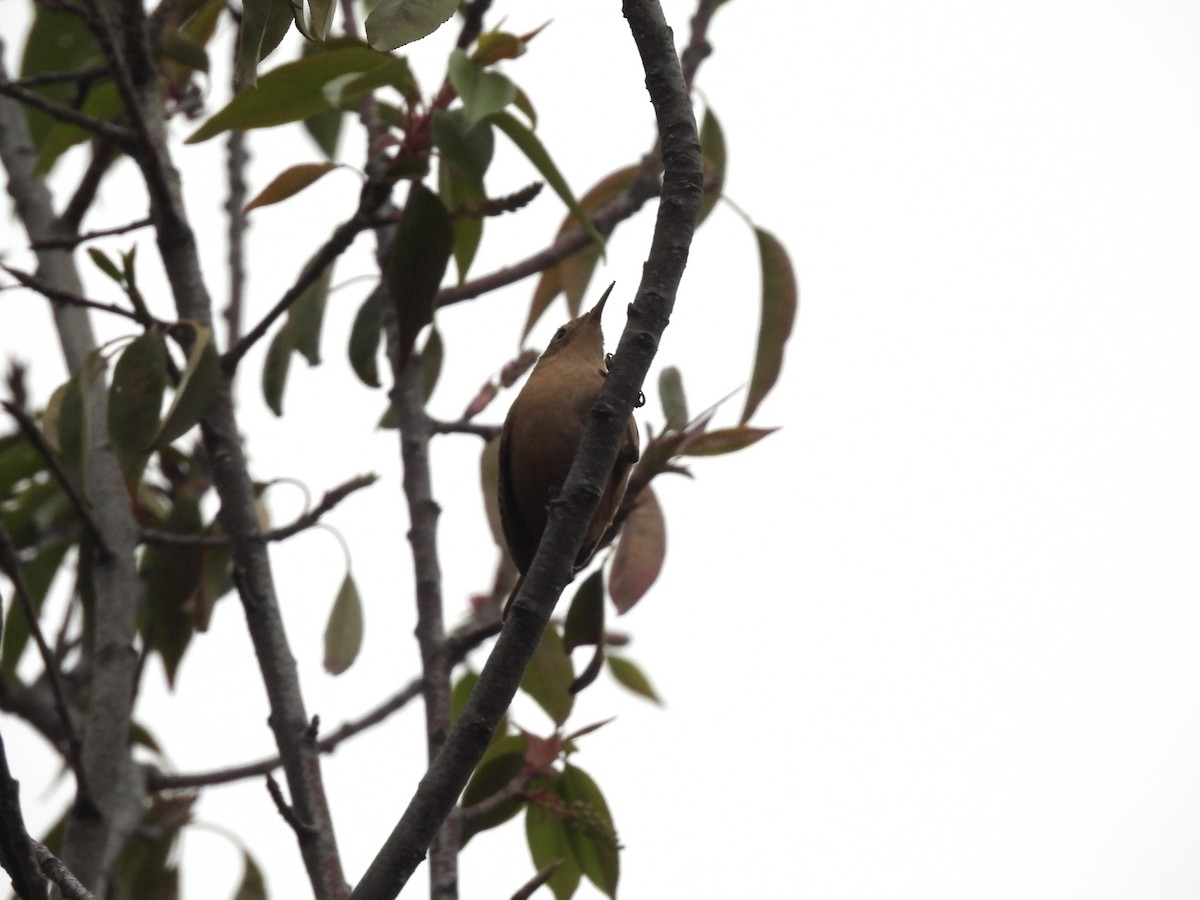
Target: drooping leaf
[[417, 262], [320, 18], [585, 618], [289, 93], [307, 315], [106, 265], [489, 480], [264, 23], [641, 549], [712, 146], [394, 23], [725, 440], [252, 886], [39, 573], [365, 336], [344, 631], [469, 148], [546, 835], [590, 831], [483, 93], [171, 575], [630, 675], [528, 144], [779, 301], [674, 401], [549, 676], [432, 356], [290, 182], [135, 401], [197, 387], [395, 73], [573, 275], [276, 366]]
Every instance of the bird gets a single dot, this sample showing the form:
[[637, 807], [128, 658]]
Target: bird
[[541, 433]]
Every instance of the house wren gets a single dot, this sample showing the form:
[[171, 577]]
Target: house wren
[[541, 434]]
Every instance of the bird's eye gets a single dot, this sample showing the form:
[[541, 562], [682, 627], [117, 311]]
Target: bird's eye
[[560, 334]]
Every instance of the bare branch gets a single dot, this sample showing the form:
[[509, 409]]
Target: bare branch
[[57, 295], [56, 871], [552, 566], [86, 73], [543, 875], [459, 644], [16, 848], [10, 564], [118, 134], [332, 498], [236, 158], [462, 426], [66, 243], [33, 434]]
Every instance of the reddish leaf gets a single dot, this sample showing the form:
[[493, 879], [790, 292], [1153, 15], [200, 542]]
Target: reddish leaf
[[640, 553], [290, 182], [724, 440]]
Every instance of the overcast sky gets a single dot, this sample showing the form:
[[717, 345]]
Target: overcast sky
[[937, 637]]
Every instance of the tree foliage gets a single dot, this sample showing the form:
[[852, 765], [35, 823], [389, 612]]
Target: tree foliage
[[128, 483]]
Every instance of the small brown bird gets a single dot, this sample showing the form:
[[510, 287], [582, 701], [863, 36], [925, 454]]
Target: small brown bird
[[541, 434]]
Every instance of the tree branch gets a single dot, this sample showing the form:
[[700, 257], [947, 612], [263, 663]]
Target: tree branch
[[16, 847], [118, 134], [58, 295], [332, 498], [552, 566], [56, 871], [128, 44], [459, 644], [66, 243]]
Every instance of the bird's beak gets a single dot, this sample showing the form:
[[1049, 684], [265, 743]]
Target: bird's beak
[[596, 311]]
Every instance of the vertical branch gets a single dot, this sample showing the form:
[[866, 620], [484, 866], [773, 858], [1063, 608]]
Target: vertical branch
[[423, 511], [552, 567], [125, 34], [236, 158], [109, 807]]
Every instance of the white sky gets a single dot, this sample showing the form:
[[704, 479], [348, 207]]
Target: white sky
[[937, 638]]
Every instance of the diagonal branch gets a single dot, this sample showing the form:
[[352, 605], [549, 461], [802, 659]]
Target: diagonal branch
[[552, 567], [118, 134], [58, 295]]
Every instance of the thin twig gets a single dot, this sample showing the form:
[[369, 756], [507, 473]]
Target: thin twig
[[118, 134], [33, 434], [56, 871], [459, 644], [372, 197], [236, 157], [514, 790], [487, 432], [66, 243], [85, 73], [332, 498], [10, 563], [544, 875], [16, 850], [103, 154], [285, 809], [60, 296]]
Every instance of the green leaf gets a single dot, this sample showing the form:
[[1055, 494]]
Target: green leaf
[[289, 93], [320, 18], [546, 835], [344, 631], [39, 574], [724, 440], [549, 676], [171, 575], [417, 262], [712, 146], [483, 93], [394, 23], [461, 691], [197, 387], [432, 357], [307, 314], [528, 144], [394, 73], [106, 265], [590, 832], [585, 619], [290, 182], [779, 301], [365, 336], [641, 550], [493, 46], [184, 49], [466, 148], [276, 366], [630, 676], [493, 775], [18, 461], [252, 887], [674, 401], [325, 128], [264, 23], [135, 401]]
